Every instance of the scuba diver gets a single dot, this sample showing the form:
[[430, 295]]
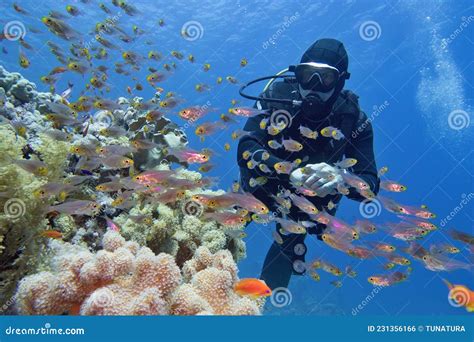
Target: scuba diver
[[307, 101]]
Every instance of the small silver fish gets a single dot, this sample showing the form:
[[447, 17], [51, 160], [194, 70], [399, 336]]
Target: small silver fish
[[77, 207]]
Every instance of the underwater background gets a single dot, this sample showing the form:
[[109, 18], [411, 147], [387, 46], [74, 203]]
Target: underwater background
[[411, 63]]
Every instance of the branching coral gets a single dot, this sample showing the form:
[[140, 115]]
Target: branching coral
[[180, 235], [176, 232], [124, 279]]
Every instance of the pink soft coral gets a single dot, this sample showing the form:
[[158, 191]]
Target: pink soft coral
[[125, 279]]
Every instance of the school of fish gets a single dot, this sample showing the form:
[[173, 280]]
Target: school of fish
[[402, 240]]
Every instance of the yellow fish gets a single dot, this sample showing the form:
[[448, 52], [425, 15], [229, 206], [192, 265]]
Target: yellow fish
[[284, 167], [253, 182], [346, 163], [23, 60], [272, 130], [274, 144], [308, 133], [78, 67], [314, 275], [246, 155], [154, 55], [383, 170]]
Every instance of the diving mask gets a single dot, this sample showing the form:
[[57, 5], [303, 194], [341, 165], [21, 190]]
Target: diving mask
[[316, 77]]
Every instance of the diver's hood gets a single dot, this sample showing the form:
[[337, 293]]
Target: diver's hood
[[333, 53], [314, 100]]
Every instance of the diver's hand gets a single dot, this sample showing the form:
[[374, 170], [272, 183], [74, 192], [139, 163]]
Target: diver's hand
[[321, 178], [298, 177]]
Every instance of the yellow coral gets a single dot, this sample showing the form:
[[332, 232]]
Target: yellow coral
[[54, 153], [22, 218], [10, 146]]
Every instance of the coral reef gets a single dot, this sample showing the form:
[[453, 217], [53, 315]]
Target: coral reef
[[22, 216], [124, 278], [57, 280], [177, 233]]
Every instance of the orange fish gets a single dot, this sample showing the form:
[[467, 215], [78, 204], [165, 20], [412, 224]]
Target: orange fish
[[194, 113], [252, 287], [53, 234]]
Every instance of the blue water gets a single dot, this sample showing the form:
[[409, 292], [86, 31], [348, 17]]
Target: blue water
[[407, 67]]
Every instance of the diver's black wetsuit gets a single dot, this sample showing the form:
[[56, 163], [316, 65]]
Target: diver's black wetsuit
[[283, 260]]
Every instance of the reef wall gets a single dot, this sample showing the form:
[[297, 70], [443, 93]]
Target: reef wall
[[68, 204]]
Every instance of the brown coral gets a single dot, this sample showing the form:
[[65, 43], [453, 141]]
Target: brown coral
[[123, 279]]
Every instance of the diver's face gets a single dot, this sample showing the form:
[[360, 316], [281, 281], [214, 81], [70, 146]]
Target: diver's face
[[315, 104], [323, 96]]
